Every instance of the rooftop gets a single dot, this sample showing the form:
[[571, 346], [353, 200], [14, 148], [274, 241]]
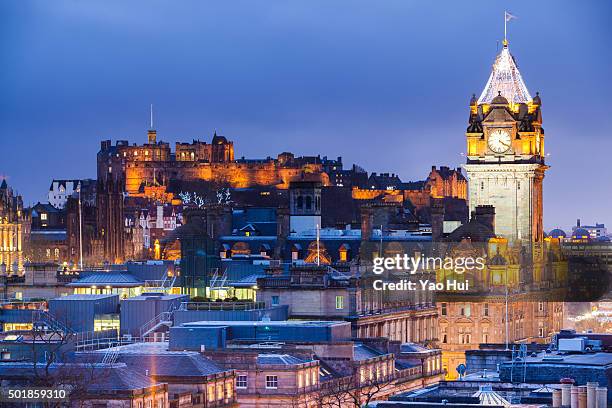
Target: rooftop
[[119, 279], [83, 297], [301, 323]]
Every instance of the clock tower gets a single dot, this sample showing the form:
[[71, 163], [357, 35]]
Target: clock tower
[[505, 152]]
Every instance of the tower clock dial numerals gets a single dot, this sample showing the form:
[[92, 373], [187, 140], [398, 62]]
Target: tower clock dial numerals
[[499, 141]]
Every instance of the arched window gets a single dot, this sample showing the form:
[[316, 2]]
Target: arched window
[[308, 202], [300, 202]]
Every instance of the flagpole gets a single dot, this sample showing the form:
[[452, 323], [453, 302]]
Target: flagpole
[[80, 229], [505, 26]]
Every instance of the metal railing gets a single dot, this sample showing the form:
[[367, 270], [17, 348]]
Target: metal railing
[[43, 320], [222, 306], [166, 317]]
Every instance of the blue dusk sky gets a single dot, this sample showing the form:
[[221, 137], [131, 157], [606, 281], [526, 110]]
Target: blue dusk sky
[[384, 84]]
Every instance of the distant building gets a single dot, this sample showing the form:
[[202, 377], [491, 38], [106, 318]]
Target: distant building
[[61, 190], [14, 226], [596, 231]]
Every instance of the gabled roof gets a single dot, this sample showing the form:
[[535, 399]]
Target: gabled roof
[[505, 78]]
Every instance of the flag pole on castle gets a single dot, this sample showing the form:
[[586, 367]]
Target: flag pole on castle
[[507, 17]]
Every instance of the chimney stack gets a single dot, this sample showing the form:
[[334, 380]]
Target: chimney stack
[[485, 214], [366, 222], [437, 219]]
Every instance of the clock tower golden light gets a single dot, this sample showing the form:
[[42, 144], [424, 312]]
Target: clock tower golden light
[[505, 152]]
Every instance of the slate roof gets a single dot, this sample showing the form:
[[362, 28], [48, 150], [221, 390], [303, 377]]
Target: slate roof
[[108, 278], [363, 352], [156, 360], [278, 359], [109, 378]]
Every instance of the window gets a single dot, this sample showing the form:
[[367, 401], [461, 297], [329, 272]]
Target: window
[[540, 306], [241, 381], [466, 310], [211, 393], [444, 338], [541, 332], [308, 202], [43, 217], [220, 394], [271, 382], [300, 380], [339, 302], [307, 379], [229, 391], [314, 376], [444, 310], [343, 255], [275, 300], [485, 311]]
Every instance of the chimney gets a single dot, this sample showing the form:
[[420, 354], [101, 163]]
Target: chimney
[[582, 396], [566, 386], [437, 219], [574, 397], [282, 230], [602, 397], [591, 397], [556, 398], [485, 214], [366, 222]]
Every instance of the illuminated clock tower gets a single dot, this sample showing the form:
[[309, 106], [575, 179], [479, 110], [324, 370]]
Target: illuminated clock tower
[[505, 152]]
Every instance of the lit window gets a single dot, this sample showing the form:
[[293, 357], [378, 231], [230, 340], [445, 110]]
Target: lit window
[[444, 311], [220, 391], [339, 302], [241, 381], [43, 216], [271, 382]]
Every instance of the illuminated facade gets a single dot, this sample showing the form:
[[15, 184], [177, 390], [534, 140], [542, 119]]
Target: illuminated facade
[[12, 224], [505, 152], [154, 164]]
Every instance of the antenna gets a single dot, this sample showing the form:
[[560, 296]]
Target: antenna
[[151, 116]]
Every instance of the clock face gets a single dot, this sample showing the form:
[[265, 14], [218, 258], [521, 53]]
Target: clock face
[[499, 140]]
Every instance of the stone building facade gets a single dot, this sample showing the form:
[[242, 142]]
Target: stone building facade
[[13, 228]]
